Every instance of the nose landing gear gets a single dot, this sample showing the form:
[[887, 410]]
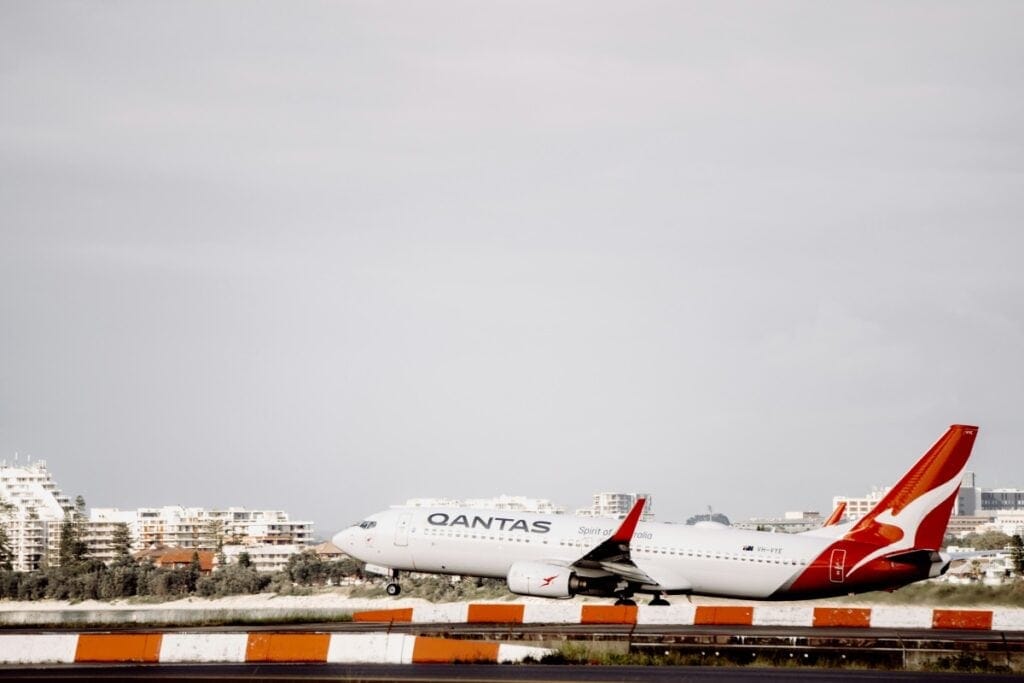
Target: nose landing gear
[[393, 588]]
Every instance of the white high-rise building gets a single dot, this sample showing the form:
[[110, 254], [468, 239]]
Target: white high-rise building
[[33, 510], [617, 505]]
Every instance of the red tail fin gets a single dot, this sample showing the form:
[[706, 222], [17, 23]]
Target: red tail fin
[[914, 514]]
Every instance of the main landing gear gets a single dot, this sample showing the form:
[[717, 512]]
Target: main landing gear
[[393, 588], [625, 599]]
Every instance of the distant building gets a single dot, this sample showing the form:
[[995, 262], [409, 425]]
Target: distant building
[[858, 507], [1009, 522], [32, 510], [617, 505], [99, 532], [502, 502], [181, 527], [264, 558], [790, 522], [178, 558], [974, 500], [963, 525], [328, 552]]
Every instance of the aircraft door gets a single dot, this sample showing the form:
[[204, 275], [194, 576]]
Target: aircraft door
[[402, 530], [836, 566]]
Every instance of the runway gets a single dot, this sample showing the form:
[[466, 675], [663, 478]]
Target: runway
[[436, 673]]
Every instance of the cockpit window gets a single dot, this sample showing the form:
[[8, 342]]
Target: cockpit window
[[367, 525]]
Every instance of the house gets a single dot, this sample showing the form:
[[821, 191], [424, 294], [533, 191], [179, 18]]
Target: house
[[177, 558]]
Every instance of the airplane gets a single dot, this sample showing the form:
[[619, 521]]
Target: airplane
[[560, 556]]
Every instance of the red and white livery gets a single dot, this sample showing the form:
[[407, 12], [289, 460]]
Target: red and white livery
[[558, 556]]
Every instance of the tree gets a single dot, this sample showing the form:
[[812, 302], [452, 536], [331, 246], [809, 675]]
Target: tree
[[1017, 554], [72, 547], [122, 542], [6, 552], [989, 540], [213, 532], [194, 572], [244, 560]]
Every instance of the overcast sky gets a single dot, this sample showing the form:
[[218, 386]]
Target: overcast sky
[[328, 256]]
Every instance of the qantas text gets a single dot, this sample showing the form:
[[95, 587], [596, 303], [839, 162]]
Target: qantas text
[[498, 523]]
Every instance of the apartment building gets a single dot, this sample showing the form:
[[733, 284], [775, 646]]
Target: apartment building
[[858, 507], [32, 510], [617, 505], [264, 558], [181, 527]]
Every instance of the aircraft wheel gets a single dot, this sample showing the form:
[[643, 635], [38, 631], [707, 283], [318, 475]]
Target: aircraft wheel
[[659, 602], [625, 602], [393, 589]]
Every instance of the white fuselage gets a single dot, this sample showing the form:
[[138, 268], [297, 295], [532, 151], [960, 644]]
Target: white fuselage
[[707, 558]]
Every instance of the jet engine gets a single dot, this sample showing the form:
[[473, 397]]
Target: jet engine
[[543, 580]]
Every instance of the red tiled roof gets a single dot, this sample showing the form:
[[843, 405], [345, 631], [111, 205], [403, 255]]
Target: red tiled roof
[[181, 557]]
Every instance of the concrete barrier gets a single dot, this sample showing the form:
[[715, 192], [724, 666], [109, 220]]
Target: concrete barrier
[[842, 617], [558, 612], [783, 615], [371, 648], [671, 614], [901, 617], [118, 647], [287, 647], [495, 614], [958, 619], [42, 648], [206, 647], [723, 616], [355, 648], [608, 614]]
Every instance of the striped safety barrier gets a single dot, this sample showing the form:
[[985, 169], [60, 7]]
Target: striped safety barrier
[[703, 615], [352, 648]]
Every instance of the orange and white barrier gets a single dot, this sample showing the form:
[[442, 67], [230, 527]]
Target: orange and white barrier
[[44, 648], [165, 648], [1004, 619]]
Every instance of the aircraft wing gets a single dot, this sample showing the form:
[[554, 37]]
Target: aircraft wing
[[613, 555]]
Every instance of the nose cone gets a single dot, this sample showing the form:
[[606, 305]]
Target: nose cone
[[343, 539]]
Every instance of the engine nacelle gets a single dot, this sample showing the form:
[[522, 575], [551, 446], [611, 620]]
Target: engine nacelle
[[542, 580]]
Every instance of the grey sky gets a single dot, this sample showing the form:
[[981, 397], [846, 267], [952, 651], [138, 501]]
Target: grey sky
[[328, 256]]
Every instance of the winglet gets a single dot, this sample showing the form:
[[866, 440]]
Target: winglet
[[625, 531], [836, 515]]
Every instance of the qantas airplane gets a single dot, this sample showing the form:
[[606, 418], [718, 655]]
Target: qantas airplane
[[559, 556]]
